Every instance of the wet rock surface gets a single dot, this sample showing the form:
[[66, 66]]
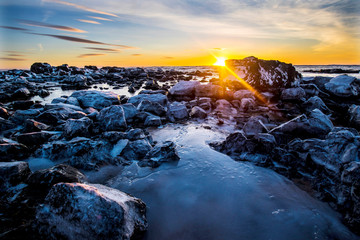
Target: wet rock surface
[[306, 129]]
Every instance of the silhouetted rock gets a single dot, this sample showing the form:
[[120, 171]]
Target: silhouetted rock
[[40, 68]]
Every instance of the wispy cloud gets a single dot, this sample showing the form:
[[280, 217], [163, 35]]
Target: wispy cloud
[[88, 21], [12, 59], [91, 55], [103, 49], [168, 57], [101, 18], [81, 7], [14, 28], [136, 54], [45, 25], [15, 55]]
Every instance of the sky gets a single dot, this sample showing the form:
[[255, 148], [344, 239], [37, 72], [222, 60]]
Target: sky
[[177, 33]]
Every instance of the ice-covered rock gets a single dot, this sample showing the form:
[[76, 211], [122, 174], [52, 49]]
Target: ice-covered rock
[[78, 127], [90, 211], [96, 99], [343, 86], [263, 74], [112, 118]]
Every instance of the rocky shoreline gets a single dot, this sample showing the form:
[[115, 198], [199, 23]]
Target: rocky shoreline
[[303, 128]]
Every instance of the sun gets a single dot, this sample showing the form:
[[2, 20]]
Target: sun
[[220, 61]]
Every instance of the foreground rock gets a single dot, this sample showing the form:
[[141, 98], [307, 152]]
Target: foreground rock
[[96, 99], [13, 173], [343, 86], [112, 215]]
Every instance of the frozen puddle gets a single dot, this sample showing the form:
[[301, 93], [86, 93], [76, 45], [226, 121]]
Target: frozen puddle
[[207, 195]]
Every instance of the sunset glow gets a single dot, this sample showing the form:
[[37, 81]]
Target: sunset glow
[[170, 33], [220, 61]]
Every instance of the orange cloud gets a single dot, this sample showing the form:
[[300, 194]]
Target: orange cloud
[[91, 55], [88, 21], [101, 18]]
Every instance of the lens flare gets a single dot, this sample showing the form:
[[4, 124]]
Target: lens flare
[[220, 61]]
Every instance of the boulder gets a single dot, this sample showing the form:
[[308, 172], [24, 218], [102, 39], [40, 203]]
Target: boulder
[[293, 94], [343, 86], [10, 150], [22, 104], [316, 102], [40, 68], [130, 112], [255, 125], [77, 81], [152, 121], [113, 214], [247, 104], [21, 115], [21, 93], [209, 90], [46, 178], [158, 98], [30, 125], [184, 89], [112, 118], [162, 152], [263, 74], [4, 113], [177, 111], [54, 116], [13, 173], [224, 109], [78, 127], [151, 107], [96, 99], [198, 112], [136, 150], [354, 115], [34, 138], [240, 94]]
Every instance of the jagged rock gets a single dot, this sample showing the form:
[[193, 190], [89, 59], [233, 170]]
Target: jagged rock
[[34, 138], [22, 104], [72, 101], [158, 98], [263, 74], [240, 94], [40, 68], [112, 215], [293, 94], [209, 90], [151, 107], [224, 109], [136, 150], [13, 173], [152, 121], [316, 102], [21, 93], [255, 125], [354, 114], [10, 150], [96, 99], [198, 112], [55, 115], [46, 178], [177, 111], [4, 113], [130, 112], [21, 115], [112, 118], [77, 127], [247, 104], [184, 89], [6, 124], [58, 100], [164, 152], [30, 125], [78, 81], [343, 86]]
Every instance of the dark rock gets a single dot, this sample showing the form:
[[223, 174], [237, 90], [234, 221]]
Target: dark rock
[[316, 102], [198, 112], [78, 127], [96, 99], [34, 138], [55, 115], [240, 94], [209, 90], [164, 152], [23, 104], [113, 214], [112, 118], [46, 178], [255, 125], [136, 150], [130, 112], [158, 98], [224, 109], [21, 115], [248, 104], [343, 86], [6, 124], [293, 94], [30, 125], [184, 89], [151, 107], [40, 68], [354, 115], [12, 151], [152, 121], [262, 74], [43, 93], [4, 113], [13, 173], [77, 81], [177, 111], [21, 93]]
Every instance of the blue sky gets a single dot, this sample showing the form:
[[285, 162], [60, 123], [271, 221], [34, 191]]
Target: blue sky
[[169, 32]]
